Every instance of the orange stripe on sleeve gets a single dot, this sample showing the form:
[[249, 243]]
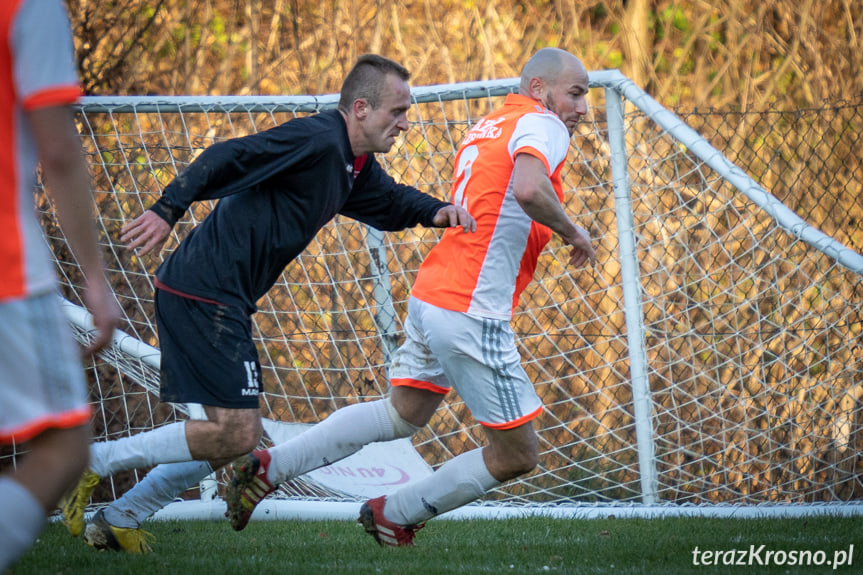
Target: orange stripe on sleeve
[[58, 96], [530, 150]]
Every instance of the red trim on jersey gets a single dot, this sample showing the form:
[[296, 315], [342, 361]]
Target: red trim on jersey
[[65, 420], [515, 423], [359, 163], [57, 96], [418, 384], [177, 292]]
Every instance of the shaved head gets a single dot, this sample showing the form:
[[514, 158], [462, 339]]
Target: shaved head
[[547, 64], [557, 80]]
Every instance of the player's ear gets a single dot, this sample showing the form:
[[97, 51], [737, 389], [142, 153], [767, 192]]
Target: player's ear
[[536, 88], [360, 108]]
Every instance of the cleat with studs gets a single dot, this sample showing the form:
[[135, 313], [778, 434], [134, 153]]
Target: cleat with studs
[[247, 488], [383, 530]]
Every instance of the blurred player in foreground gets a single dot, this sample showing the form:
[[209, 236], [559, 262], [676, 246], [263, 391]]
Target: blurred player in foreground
[[276, 190], [44, 408], [508, 177]]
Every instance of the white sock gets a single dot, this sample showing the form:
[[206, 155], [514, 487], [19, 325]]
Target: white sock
[[459, 481], [166, 444], [158, 488], [343, 433], [21, 520]]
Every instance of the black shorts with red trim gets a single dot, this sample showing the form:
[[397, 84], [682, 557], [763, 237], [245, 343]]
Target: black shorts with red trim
[[208, 355]]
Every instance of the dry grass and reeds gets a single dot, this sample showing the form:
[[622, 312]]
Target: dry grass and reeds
[[754, 342]]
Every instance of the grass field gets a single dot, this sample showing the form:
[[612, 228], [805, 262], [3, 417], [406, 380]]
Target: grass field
[[532, 545]]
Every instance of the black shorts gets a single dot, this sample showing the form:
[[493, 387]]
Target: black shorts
[[208, 355]]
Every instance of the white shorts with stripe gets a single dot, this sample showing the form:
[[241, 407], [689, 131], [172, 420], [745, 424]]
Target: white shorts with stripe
[[42, 383], [476, 356]]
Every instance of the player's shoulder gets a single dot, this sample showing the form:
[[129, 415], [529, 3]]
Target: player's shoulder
[[544, 124], [542, 131], [527, 116], [320, 131], [540, 118], [326, 121]]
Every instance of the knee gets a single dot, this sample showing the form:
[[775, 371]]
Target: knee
[[508, 460], [401, 426], [527, 462], [62, 454], [239, 437], [504, 470], [518, 462], [412, 407], [246, 439]]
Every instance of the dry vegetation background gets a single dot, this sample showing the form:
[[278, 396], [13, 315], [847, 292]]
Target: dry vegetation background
[[762, 65], [752, 58], [776, 85], [744, 54], [768, 62]]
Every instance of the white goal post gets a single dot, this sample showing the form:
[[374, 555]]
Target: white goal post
[[711, 363]]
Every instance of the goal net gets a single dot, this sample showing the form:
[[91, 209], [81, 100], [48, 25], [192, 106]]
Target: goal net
[[713, 358]]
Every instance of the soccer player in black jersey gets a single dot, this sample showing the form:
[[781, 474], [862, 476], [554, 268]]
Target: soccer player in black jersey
[[457, 333], [276, 190]]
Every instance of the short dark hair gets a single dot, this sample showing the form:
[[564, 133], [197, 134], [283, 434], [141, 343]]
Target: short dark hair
[[365, 79]]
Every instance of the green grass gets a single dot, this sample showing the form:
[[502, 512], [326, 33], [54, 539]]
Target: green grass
[[533, 545]]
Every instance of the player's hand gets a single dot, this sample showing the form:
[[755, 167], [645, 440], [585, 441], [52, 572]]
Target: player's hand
[[145, 233], [102, 305], [452, 216], [581, 251]]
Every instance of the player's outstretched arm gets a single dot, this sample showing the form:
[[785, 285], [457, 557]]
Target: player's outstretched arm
[[100, 301], [535, 194], [67, 181], [145, 233]]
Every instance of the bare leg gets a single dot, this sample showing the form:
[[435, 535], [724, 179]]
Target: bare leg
[[55, 462], [224, 435], [56, 458], [465, 478], [511, 452]]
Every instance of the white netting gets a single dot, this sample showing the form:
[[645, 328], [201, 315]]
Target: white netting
[[752, 337]]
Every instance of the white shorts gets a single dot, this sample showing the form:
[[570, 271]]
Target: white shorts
[[42, 382], [476, 356]]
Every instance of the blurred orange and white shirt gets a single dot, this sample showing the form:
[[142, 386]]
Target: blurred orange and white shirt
[[485, 272], [37, 70]]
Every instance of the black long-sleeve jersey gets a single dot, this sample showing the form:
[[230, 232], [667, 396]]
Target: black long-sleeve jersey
[[276, 190]]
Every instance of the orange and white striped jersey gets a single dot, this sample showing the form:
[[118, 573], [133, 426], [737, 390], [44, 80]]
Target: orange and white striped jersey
[[37, 70], [484, 273]]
